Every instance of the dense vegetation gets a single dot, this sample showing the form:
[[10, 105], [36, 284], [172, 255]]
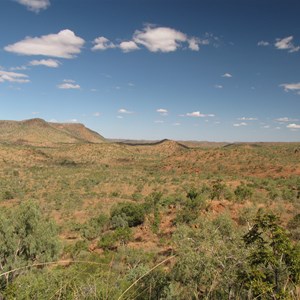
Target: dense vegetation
[[149, 222]]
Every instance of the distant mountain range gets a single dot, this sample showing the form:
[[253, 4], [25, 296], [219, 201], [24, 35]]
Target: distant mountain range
[[39, 132]]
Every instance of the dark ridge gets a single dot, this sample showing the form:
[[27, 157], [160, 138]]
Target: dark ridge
[[155, 143]]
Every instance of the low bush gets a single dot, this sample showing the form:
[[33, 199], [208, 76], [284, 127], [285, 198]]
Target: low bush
[[132, 213]]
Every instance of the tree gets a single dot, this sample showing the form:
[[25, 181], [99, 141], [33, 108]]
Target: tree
[[26, 237], [273, 263]]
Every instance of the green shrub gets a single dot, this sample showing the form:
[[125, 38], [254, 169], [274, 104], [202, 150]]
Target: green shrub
[[217, 190], [95, 226], [133, 213], [107, 241], [123, 234], [243, 192], [26, 237]]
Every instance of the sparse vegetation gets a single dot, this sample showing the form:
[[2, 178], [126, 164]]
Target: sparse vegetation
[[118, 211]]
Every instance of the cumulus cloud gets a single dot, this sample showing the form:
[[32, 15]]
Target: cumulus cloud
[[102, 43], [51, 63], [263, 43], [295, 87], [35, 5], [218, 86], [240, 124], [197, 114], [162, 111], [161, 39], [68, 84], [13, 77], [124, 111], [128, 46], [247, 119], [64, 44], [293, 126], [156, 39], [227, 75], [286, 44]]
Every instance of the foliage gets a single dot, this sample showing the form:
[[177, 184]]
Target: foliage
[[218, 189], [195, 202], [26, 237], [243, 192], [294, 227], [132, 213], [95, 226], [273, 263], [209, 256]]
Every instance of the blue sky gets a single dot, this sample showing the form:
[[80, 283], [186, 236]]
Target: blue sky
[[150, 69]]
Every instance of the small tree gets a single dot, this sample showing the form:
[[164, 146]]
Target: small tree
[[26, 237], [273, 263]]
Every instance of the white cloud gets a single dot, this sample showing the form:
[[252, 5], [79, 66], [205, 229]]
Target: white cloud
[[35, 5], [247, 119], [68, 84], [96, 114], [194, 44], [218, 86], [266, 126], [293, 126], [131, 84], [158, 121], [155, 39], [263, 43], [286, 44], [120, 117], [161, 39], [176, 124], [291, 87], [128, 46], [286, 119], [13, 77], [102, 43], [227, 75], [64, 44], [240, 124], [20, 68], [197, 114], [35, 112], [51, 63], [124, 111], [162, 111]]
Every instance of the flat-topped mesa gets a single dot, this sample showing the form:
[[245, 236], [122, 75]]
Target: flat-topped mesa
[[39, 132]]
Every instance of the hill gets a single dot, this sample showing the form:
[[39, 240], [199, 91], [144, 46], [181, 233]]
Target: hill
[[41, 133]]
